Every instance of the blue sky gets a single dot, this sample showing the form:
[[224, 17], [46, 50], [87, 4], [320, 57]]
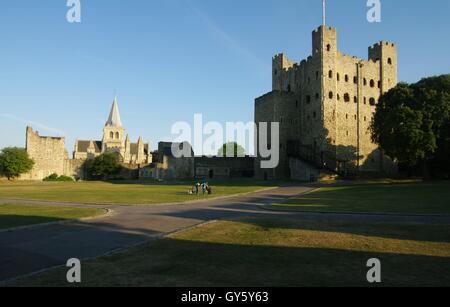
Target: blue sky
[[169, 59]]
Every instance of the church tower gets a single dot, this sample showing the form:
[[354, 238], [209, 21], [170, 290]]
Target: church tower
[[114, 132]]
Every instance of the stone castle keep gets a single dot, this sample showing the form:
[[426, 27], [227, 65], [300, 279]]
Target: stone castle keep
[[325, 105]]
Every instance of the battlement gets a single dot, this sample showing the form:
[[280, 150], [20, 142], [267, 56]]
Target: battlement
[[324, 39], [281, 62], [383, 50], [382, 44], [326, 28]]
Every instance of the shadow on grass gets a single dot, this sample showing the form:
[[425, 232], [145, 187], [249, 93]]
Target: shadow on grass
[[174, 262], [29, 250], [171, 262], [13, 221]]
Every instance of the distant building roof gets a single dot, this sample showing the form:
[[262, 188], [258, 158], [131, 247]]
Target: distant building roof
[[82, 146], [135, 146], [165, 148]]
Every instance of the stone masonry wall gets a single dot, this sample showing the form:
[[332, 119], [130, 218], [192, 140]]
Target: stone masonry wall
[[48, 153]]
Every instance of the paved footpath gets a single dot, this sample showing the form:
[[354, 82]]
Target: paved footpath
[[30, 250]]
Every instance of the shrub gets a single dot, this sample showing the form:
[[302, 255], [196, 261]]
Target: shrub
[[55, 178]]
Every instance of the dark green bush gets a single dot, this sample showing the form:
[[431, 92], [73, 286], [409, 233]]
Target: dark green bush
[[56, 178]]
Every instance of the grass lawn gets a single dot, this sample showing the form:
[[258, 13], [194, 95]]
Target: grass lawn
[[260, 252], [419, 198], [23, 215], [117, 193]]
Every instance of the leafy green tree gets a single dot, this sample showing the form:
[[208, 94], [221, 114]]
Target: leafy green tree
[[104, 166], [231, 148], [14, 162], [412, 124]]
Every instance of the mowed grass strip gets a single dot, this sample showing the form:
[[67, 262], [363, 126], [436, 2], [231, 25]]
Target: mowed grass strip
[[262, 252], [12, 216], [117, 193], [414, 198]]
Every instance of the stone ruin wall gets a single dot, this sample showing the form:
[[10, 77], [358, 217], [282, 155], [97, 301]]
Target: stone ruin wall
[[48, 153]]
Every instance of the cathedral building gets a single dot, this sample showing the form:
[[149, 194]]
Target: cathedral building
[[114, 140]]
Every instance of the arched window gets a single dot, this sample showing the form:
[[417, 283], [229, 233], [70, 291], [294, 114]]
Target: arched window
[[365, 81], [389, 61], [372, 83], [347, 97], [328, 47], [355, 99], [317, 96], [111, 135], [330, 74], [338, 97], [346, 78], [308, 99], [355, 80], [117, 135], [372, 101], [330, 94], [338, 77]]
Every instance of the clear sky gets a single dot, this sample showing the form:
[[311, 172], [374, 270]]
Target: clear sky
[[169, 59]]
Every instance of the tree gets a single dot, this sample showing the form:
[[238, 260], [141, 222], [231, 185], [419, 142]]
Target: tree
[[14, 162], [104, 166], [412, 124], [231, 148]]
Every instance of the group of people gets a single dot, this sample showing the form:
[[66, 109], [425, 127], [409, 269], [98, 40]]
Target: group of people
[[205, 188]]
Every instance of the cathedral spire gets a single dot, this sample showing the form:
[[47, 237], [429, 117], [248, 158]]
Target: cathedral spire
[[114, 116]]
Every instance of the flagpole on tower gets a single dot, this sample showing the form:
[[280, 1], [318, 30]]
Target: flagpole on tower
[[324, 16]]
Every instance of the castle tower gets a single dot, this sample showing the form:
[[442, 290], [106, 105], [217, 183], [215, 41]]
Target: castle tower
[[114, 132], [386, 54], [324, 40], [329, 70]]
